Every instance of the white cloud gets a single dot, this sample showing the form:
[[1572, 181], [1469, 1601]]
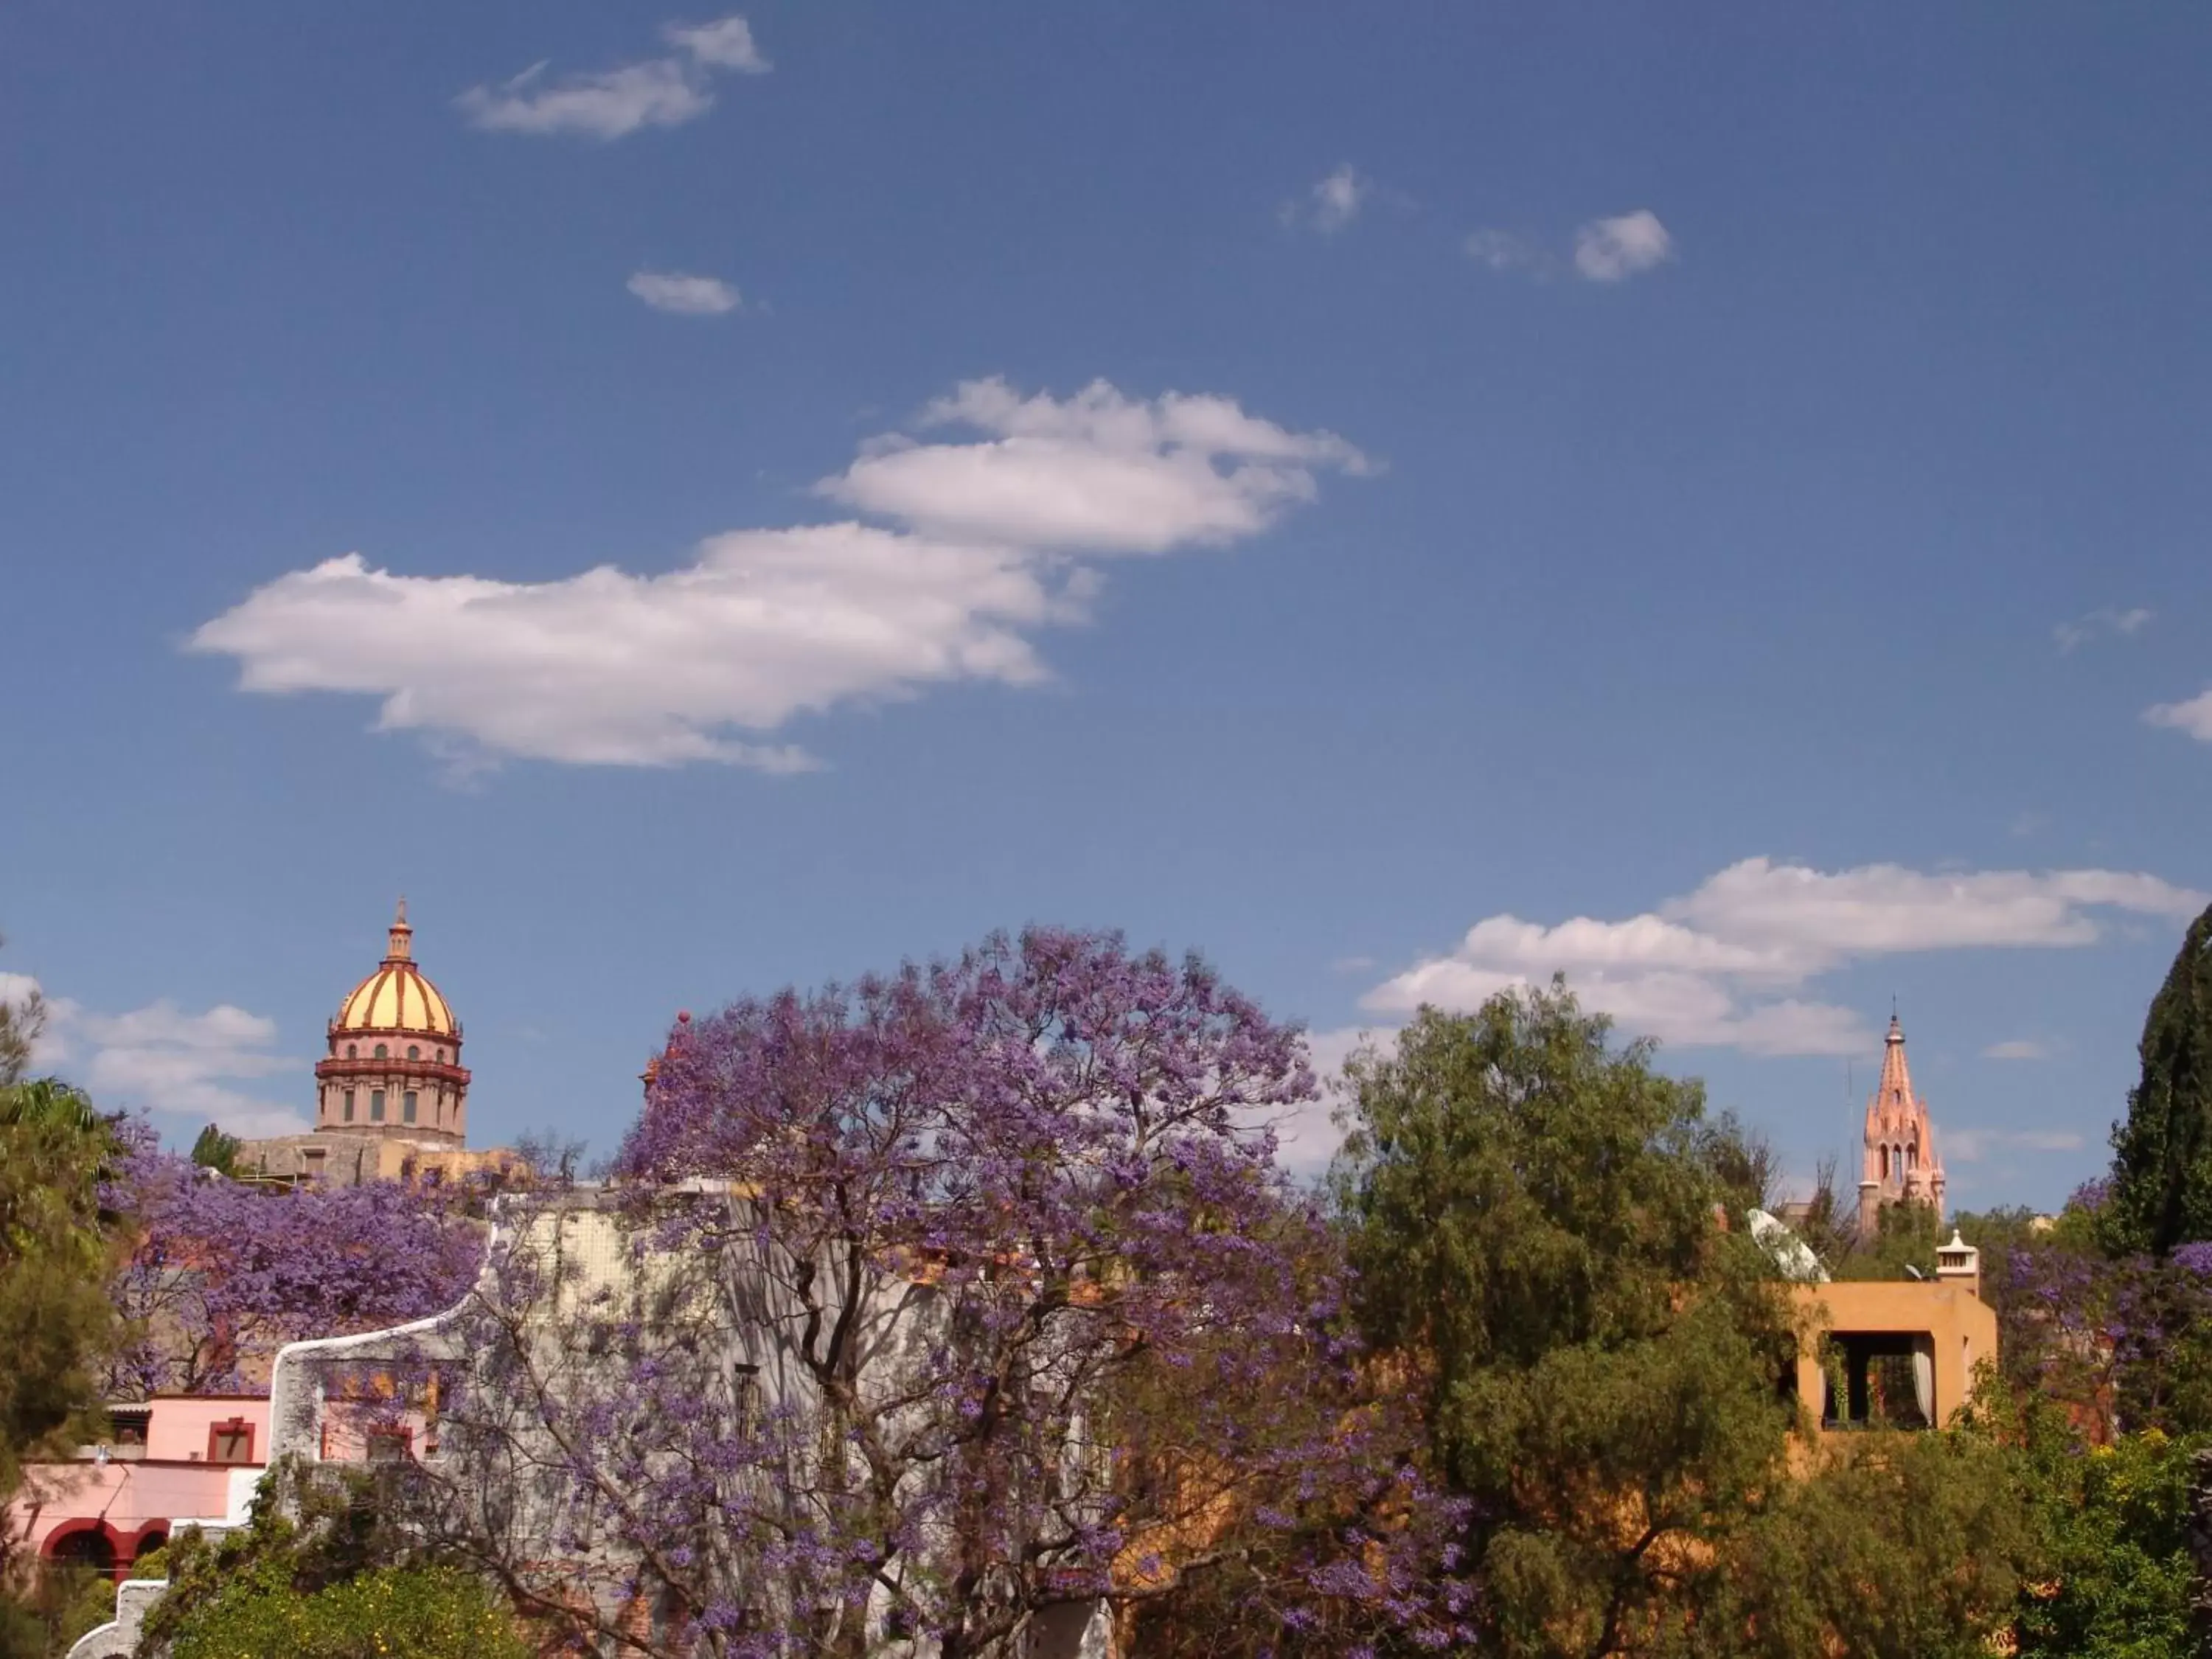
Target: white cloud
[[2103, 623], [1973, 1145], [610, 667], [1501, 250], [685, 296], [1717, 966], [609, 104], [1098, 470], [1610, 250], [726, 44], [1333, 203], [1306, 1138], [2194, 716], [48, 1048], [2016, 1049], [163, 1058]]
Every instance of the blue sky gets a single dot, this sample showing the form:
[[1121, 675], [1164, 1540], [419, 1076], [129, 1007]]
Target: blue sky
[[1396, 501]]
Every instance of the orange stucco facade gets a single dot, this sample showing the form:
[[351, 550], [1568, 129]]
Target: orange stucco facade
[[1959, 1330]]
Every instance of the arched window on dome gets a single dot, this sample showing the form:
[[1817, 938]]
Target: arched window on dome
[[353, 1051], [441, 1056], [381, 1052], [414, 1051]]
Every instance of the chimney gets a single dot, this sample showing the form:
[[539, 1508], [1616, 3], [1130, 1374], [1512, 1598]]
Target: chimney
[[1960, 1263]]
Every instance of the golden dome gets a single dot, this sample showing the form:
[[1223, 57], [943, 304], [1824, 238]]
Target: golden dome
[[397, 997]]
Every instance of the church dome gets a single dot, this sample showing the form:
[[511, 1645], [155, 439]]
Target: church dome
[[397, 997]]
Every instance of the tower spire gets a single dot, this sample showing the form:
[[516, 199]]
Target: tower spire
[[1901, 1163]]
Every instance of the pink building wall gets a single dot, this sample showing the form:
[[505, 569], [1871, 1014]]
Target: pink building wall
[[109, 1512]]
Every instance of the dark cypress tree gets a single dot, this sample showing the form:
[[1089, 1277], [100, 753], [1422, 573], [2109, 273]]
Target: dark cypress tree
[[2162, 1152]]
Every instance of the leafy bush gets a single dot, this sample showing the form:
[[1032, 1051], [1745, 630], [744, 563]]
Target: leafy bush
[[397, 1612]]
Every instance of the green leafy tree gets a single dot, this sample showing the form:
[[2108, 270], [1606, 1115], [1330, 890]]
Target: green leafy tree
[[326, 1568], [215, 1151], [1534, 1217], [1907, 1547], [1544, 1228], [58, 1602], [22, 1020], [58, 1246], [2121, 1578], [396, 1612], [2162, 1150], [1905, 1236]]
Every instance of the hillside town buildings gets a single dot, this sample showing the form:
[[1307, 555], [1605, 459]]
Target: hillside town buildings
[[392, 1098]]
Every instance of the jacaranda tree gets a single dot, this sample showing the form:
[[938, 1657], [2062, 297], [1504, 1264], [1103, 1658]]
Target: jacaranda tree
[[961, 1304], [222, 1273]]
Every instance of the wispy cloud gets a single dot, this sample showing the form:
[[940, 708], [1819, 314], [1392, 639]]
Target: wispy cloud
[[1334, 202], [2016, 1049], [996, 512], [1974, 1146], [1502, 250], [609, 104], [1604, 251], [2103, 623], [1724, 965], [2193, 717], [187, 1065], [1613, 250], [682, 295], [727, 43]]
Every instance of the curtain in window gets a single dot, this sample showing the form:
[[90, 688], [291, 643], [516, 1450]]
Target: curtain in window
[[1923, 1377]]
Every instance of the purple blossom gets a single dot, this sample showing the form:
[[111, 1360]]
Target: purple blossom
[[1113, 1314], [222, 1274]]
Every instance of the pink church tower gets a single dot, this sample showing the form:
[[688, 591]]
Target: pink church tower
[[1900, 1165]]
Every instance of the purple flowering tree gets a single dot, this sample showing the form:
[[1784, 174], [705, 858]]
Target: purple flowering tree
[[965, 1305], [2121, 1342], [222, 1274]]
